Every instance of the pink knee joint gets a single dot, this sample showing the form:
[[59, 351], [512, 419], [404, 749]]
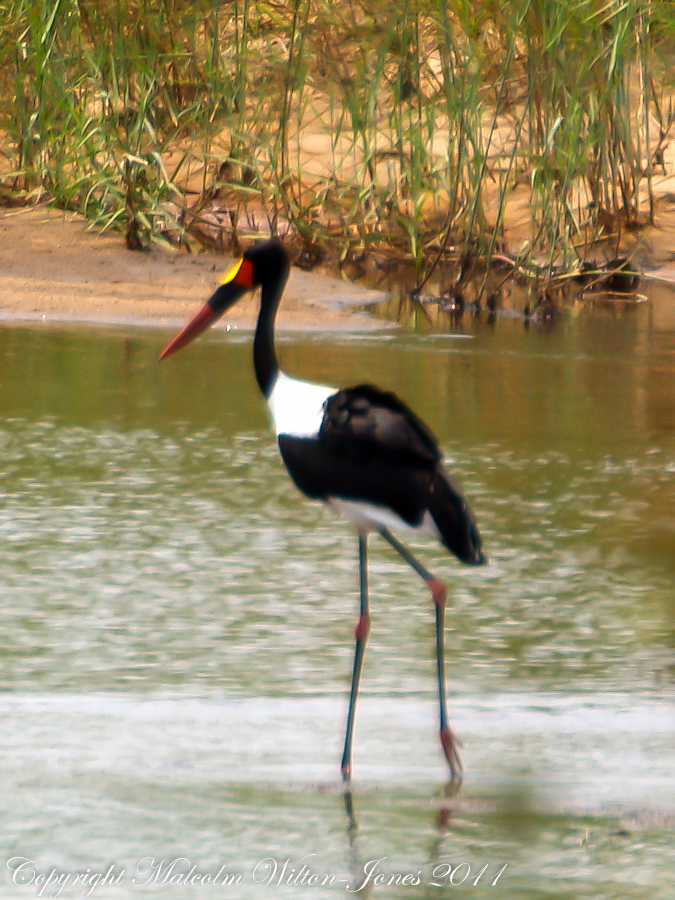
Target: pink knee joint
[[362, 628], [438, 591]]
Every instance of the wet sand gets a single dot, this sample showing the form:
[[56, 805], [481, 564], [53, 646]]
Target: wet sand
[[53, 269]]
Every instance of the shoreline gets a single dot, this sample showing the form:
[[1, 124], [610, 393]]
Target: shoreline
[[53, 270]]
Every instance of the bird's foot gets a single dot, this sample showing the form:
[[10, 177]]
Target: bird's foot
[[451, 750]]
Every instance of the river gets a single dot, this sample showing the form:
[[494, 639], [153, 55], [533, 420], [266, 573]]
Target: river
[[176, 621]]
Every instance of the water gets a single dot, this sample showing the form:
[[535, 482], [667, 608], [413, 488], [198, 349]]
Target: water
[[176, 622]]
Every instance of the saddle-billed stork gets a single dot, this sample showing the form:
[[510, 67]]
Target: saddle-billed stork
[[362, 451]]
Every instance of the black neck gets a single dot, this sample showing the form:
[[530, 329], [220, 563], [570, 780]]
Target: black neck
[[265, 359]]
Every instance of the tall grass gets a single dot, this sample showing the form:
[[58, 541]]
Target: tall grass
[[422, 127]]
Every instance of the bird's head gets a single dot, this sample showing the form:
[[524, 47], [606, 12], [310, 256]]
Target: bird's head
[[263, 265]]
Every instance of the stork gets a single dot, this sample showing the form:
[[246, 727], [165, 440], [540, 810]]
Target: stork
[[362, 451]]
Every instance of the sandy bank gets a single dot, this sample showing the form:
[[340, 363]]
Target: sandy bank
[[53, 269]]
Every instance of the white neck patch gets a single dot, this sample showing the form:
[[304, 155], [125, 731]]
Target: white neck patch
[[297, 406]]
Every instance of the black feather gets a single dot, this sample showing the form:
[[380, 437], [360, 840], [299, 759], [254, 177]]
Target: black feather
[[322, 473], [364, 421], [372, 448], [454, 519]]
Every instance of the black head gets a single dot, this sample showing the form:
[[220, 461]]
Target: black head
[[270, 262], [263, 265]]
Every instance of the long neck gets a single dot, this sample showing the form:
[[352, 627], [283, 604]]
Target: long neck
[[265, 360]]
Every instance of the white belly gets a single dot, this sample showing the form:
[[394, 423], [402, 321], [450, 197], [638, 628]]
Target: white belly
[[297, 406], [369, 517]]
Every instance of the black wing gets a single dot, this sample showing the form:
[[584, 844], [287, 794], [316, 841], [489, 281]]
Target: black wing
[[364, 421], [371, 447]]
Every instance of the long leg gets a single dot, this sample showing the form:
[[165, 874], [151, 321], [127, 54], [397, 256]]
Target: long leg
[[361, 635], [439, 594]]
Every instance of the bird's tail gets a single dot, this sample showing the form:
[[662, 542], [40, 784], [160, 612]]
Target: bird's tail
[[454, 520]]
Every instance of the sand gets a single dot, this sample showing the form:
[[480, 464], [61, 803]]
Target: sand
[[52, 269]]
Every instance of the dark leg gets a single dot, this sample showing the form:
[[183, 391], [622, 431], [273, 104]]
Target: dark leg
[[361, 635], [438, 593]]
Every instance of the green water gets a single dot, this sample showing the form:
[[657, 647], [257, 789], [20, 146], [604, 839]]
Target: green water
[[176, 622]]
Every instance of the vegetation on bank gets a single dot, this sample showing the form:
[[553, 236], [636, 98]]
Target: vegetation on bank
[[423, 127]]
